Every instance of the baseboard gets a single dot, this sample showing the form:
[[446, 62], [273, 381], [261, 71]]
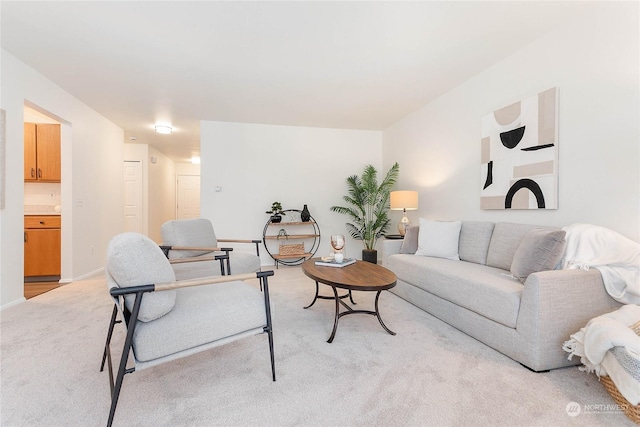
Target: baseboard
[[82, 277], [12, 303]]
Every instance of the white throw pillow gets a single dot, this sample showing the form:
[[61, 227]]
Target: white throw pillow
[[439, 239]]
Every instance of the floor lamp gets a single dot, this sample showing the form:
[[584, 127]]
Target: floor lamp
[[404, 201]]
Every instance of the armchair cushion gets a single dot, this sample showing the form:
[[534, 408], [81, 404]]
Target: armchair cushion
[[202, 315], [188, 232], [133, 260]]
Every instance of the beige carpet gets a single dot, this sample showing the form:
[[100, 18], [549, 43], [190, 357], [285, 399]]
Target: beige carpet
[[429, 374]]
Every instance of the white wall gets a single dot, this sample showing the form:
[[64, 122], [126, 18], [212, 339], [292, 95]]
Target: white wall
[[594, 63], [187, 169], [92, 191], [162, 193], [258, 164]]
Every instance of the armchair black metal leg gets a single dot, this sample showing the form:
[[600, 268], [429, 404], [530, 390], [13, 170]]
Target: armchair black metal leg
[[109, 333], [268, 328], [122, 369]]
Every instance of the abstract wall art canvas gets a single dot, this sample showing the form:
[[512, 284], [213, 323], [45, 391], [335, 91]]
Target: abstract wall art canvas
[[519, 155]]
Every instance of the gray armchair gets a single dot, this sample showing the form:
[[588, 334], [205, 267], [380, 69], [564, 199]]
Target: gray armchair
[[159, 312], [195, 240]]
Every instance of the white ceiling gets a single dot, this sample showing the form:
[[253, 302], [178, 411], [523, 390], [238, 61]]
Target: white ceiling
[[354, 65]]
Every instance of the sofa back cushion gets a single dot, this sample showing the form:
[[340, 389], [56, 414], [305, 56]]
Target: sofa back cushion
[[410, 242], [439, 239], [475, 237], [541, 250], [196, 232], [505, 240]]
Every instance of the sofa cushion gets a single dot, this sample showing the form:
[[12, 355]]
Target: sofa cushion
[[505, 239], [133, 260], [488, 291], [410, 242], [196, 232], [439, 239], [475, 237], [540, 250]]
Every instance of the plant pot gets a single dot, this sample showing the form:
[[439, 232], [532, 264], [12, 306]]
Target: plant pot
[[276, 218], [370, 255]]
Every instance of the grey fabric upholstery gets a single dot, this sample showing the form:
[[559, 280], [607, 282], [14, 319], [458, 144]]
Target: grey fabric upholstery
[[484, 290], [545, 321], [201, 315], [505, 239], [188, 232], [134, 259], [540, 250], [199, 233], [410, 241], [526, 321], [475, 237]]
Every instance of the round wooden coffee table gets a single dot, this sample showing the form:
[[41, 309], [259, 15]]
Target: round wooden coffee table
[[361, 276]]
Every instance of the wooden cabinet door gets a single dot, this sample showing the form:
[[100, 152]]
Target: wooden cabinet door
[[42, 252], [48, 152], [30, 152]]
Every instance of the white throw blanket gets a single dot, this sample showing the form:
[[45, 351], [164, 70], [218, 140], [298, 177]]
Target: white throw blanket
[[603, 333], [615, 256]]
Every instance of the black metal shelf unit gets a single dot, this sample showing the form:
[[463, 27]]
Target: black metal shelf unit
[[308, 233]]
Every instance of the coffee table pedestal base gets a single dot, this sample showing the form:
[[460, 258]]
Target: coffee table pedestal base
[[352, 311]]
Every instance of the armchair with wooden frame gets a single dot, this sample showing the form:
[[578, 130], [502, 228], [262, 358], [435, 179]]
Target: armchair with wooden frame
[[160, 313], [195, 240]]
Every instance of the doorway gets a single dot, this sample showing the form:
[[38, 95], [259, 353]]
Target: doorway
[[42, 200], [133, 220], [188, 196]]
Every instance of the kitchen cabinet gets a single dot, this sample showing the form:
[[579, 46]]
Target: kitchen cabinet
[[42, 245], [42, 152]]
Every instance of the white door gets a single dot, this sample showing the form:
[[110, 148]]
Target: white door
[[133, 196], [188, 197]]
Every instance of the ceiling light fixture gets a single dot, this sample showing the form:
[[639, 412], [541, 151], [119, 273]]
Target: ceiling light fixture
[[195, 160], [164, 129]]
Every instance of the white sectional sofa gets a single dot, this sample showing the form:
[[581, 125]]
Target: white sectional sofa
[[503, 290]]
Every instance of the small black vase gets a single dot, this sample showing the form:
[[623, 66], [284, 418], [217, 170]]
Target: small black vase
[[305, 216]]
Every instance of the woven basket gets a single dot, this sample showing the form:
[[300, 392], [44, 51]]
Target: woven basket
[[292, 249], [631, 411]]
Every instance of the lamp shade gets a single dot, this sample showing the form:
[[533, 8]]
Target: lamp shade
[[404, 200]]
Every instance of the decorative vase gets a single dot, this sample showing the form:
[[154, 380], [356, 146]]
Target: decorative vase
[[370, 255], [276, 218], [305, 216]]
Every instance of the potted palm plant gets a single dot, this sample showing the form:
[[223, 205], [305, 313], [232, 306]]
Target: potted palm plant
[[368, 207]]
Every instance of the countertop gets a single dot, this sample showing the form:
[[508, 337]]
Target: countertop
[[41, 210]]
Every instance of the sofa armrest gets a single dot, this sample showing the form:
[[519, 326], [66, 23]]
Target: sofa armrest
[[557, 303], [390, 247]]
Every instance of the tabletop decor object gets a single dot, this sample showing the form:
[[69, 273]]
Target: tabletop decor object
[[276, 212], [404, 201]]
